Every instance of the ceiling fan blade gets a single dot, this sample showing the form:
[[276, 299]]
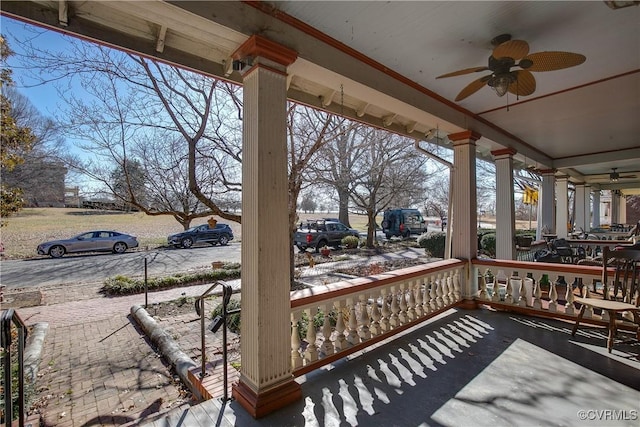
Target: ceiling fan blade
[[463, 72], [628, 176], [524, 85], [472, 87], [551, 61], [515, 49]]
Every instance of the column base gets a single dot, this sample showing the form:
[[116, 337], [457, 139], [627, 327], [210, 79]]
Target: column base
[[468, 304], [259, 405]]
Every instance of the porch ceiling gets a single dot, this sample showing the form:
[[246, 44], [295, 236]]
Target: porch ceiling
[[378, 62]]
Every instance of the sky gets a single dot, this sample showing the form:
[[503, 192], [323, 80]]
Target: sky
[[43, 97]]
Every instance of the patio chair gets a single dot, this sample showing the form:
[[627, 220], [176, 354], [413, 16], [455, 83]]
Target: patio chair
[[621, 297]]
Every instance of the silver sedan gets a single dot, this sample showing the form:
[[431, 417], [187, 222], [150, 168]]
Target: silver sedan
[[91, 241]]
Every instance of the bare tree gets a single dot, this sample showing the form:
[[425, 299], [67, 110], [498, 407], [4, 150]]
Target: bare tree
[[384, 169], [308, 130], [133, 101], [335, 164]]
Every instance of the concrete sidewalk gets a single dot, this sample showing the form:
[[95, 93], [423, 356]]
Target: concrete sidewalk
[[97, 366]]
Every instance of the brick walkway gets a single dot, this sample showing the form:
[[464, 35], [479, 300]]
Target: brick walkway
[[97, 367]]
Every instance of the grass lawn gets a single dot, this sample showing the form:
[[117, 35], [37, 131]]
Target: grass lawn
[[32, 226]]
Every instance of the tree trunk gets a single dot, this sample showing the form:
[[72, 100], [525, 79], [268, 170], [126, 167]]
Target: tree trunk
[[371, 229], [343, 206]]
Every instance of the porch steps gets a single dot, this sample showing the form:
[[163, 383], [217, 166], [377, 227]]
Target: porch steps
[[212, 385]]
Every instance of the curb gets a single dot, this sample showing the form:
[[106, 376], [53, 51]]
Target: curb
[[33, 351], [169, 349]]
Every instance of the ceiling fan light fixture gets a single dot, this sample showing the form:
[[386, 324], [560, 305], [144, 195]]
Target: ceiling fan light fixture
[[501, 83]]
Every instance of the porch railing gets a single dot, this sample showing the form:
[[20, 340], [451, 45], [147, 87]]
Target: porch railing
[[344, 317], [539, 289], [332, 321]]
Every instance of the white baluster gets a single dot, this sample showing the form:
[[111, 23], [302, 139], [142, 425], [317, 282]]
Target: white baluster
[[327, 346], [375, 317], [352, 330], [439, 291], [411, 301], [385, 326], [311, 352], [395, 309], [495, 296], [403, 315], [340, 342], [433, 294], [537, 295], [524, 296], [508, 291], [418, 299], [457, 290], [482, 284], [364, 331], [296, 358], [568, 307], [446, 290]]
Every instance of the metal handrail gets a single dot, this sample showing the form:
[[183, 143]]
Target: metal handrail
[[227, 290], [10, 316]]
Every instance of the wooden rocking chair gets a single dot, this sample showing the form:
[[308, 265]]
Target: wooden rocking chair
[[622, 295]]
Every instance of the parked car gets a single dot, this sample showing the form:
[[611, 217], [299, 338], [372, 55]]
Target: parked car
[[218, 234], [321, 232], [91, 241], [403, 223]]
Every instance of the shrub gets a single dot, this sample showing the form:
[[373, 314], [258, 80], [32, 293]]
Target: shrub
[[488, 244], [123, 285], [433, 243], [350, 242], [233, 320], [318, 322]]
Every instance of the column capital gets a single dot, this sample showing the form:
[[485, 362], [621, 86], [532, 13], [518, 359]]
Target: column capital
[[258, 46], [464, 137], [547, 171], [503, 152]]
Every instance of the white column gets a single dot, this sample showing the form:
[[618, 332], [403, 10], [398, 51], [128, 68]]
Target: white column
[[623, 209], [587, 208], [562, 208], [579, 204], [595, 219], [615, 207], [464, 235], [266, 381], [547, 203], [505, 207]]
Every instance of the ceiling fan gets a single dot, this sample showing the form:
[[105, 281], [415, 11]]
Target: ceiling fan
[[507, 54], [614, 176]]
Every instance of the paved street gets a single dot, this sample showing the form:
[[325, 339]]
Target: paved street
[[97, 267]]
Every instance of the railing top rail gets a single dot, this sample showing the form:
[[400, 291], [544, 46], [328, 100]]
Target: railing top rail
[[352, 286], [211, 288], [599, 242], [541, 266]]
